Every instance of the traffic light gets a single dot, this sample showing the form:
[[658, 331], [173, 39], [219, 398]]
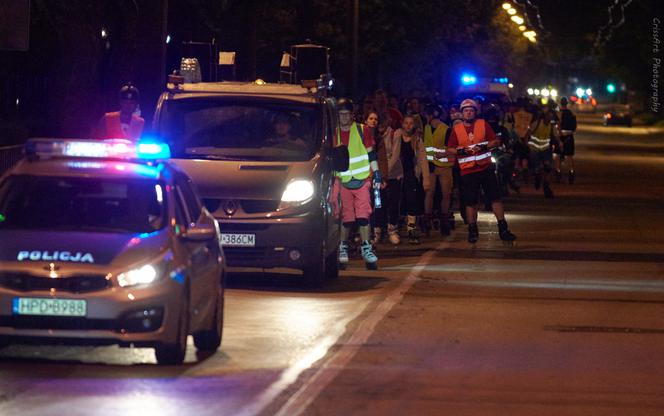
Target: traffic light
[[610, 88]]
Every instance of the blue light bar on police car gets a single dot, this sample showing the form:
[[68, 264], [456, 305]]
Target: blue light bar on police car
[[468, 79], [100, 149]]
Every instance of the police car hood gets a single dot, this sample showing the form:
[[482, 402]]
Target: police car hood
[[82, 248], [244, 179]]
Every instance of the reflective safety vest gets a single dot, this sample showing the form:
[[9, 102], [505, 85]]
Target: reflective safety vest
[[434, 142], [477, 137], [114, 127], [358, 162], [539, 139]]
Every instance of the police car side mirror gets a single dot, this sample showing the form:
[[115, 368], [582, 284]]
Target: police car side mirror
[[339, 158], [200, 233]]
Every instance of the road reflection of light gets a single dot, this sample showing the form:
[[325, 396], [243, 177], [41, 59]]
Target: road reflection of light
[[143, 404]]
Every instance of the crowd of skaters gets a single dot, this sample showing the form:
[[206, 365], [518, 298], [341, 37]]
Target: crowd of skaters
[[427, 159]]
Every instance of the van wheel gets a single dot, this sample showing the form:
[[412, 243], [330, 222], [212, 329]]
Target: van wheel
[[332, 265], [210, 339], [173, 354], [314, 274]]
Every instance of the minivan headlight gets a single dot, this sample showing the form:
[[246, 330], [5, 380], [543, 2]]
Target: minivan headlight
[[140, 276], [298, 192]]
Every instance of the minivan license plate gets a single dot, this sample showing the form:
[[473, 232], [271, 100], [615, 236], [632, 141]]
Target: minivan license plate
[[49, 307], [238, 240]]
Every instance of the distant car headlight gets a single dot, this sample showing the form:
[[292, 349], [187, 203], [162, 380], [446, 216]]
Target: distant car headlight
[[298, 192], [141, 276]]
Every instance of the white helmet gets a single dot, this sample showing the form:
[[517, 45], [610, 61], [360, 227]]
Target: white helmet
[[469, 103]]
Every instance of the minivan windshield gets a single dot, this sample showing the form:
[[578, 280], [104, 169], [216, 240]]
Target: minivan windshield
[[241, 129]]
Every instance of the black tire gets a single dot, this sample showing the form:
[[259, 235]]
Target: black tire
[[210, 339], [332, 265], [173, 354]]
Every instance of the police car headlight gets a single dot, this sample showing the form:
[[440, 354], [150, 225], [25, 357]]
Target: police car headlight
[[298, 192], [140, 276]]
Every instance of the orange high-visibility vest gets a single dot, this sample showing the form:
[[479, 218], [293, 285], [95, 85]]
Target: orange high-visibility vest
[[477, 137], [114, 127]]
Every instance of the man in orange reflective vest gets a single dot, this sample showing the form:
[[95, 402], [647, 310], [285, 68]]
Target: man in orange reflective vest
[[123, 124], [472, 141]]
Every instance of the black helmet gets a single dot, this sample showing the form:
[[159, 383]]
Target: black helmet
[[129, 92], [345, 104], [563, 101], [492, 113], [433, 110]]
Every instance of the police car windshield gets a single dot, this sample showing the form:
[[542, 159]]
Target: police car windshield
[[241, 130], [82, 204]]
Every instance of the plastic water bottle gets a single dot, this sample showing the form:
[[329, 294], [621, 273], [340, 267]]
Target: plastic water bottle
[[377, 201]]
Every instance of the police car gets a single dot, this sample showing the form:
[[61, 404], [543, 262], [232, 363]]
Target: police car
[[104, 242]]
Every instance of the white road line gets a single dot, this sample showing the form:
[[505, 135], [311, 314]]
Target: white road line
[[310, 390]]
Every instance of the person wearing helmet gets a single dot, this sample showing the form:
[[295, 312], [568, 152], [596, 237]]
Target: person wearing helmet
[[565, 147], [440, 167], [123, 124], [471, 141], [355, 184], [502, 154], [540, 143], [522, 120]]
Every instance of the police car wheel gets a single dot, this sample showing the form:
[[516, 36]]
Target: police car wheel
[[210, 339], [173, 354]]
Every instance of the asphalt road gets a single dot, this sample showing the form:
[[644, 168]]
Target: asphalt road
[[567, 321]]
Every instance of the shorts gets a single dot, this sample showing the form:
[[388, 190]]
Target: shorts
[[471, 184], [538, 160], [520, 150], [568, 146], [356, 203]]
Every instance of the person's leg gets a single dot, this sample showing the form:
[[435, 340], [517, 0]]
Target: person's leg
[[347, 222], [489, 184], [446, 190], [471, 187], [363, 211], [410, 187], [393, 208]]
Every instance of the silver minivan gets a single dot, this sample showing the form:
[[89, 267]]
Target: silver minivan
[[263, 158]]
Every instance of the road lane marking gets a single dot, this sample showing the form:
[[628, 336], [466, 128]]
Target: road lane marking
[[309, 391]]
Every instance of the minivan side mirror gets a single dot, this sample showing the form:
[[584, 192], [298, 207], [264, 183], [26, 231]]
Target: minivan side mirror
[[201, 232], [339, 158]]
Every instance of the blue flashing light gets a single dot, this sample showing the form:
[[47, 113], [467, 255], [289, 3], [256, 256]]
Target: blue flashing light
[[610, 88], [468, 79], [501, 80], [153, 150]]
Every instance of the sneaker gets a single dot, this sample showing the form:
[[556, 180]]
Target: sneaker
[[473, 233], [393, 234], [548, 193], [366, 249], [343, 252], [538, 181], [377, 236], [504, 232], [413, 238]]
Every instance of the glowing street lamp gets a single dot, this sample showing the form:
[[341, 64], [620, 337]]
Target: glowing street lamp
[[589, 92], [517, 19], [554, 93], [579, 92], [511, 12], [530, 34], [531, 91], [507, 6], [522, 28]]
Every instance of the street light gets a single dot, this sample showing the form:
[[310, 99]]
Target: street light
[[530, 91], [511, 12], [610, 88], [522, 28], [589, 92], [530, 33], [507, 6], [579, 92], [517, 19], [554, 93]]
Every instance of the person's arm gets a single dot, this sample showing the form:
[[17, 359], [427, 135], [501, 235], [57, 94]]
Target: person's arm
[[491, 136], [424, 164], [452, 143]]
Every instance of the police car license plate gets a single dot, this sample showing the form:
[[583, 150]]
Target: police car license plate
[[238, 240], [49, 307]]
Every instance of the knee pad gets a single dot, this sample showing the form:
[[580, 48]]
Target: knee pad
[[362, 222]]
